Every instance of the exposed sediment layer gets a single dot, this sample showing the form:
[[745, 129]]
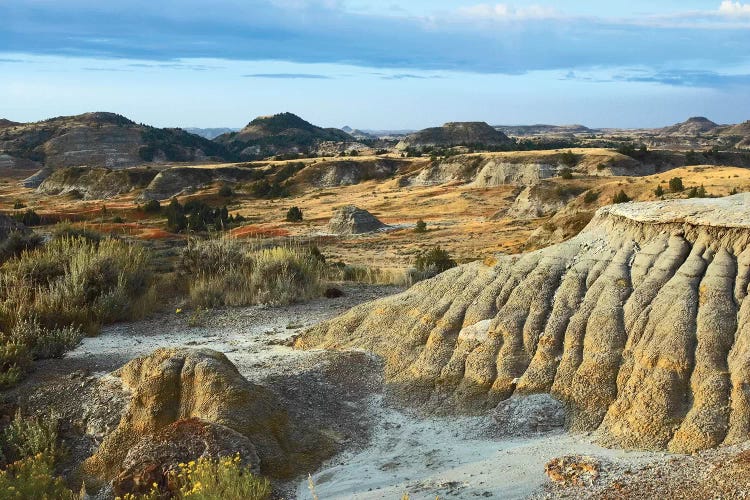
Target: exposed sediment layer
[[639, 325]]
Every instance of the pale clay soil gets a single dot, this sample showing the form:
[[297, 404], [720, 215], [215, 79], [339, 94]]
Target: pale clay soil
[[388, 452]]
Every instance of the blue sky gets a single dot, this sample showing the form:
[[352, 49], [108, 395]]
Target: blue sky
[[377, 64]]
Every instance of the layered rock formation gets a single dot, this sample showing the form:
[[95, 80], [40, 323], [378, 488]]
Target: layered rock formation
[[496, 169], [640, 325], [352, 220], [347, 172], [178, 180], [94, 183]]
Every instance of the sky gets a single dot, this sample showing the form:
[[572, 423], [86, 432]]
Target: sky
[[377, 64]]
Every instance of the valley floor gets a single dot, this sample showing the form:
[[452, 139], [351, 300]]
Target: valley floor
[[388, 452]]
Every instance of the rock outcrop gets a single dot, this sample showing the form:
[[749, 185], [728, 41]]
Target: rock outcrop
[[94, 183], [522, 168], [640, 325], [172, 385], [179, 180], [334, 173], [352, 220]]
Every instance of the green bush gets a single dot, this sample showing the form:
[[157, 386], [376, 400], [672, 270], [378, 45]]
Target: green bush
[[18, 242], [697, 192], [65, 230], [659, 191], [27, 437], [225, 191], [28, 218], [421, 226], [33, 478], [566, 173], [621, 197], [152, 207], [294, 214], [18, 205], [44, 343], [590, 197], [72, 281], [569, 159], [675, 185], [434, 261], [51, 294], [212, 479]]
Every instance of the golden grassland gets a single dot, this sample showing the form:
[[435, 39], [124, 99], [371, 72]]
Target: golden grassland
[[466, 221]]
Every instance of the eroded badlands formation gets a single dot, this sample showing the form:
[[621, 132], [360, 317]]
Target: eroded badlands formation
[[640, 325]]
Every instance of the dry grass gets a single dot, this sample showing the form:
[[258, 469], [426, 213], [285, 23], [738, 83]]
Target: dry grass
[[231, 272]]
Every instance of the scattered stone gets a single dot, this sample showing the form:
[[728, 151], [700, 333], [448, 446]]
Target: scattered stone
[[573, 470], [353, 220]]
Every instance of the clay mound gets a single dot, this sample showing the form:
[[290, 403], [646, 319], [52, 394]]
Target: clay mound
[[171, 385], [457, 134], [692, 126], [353, 220], [639, 325]]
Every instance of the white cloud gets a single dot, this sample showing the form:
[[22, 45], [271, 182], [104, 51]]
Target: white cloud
[[503, 11], [730, 8]]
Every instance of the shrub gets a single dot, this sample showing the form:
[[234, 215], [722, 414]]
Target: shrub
[[44, 343], [421, 227], [33, 478], [659, 191], [49, 295], [569, 159], [18, 242], [590, 197], [226, 272], [675, 185], [72, 281], [621, 197], [196, 216], [27, 437], [15, 361], [566, 173], [434, 261], [697, 192], [28, 218], [152, 207], [294, 214], [211, 479], [225, 191], [18, 205]]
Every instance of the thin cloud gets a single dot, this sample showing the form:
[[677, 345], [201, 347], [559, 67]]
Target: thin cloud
[[689, 78], [730, 8], [289, 76], [409, 76]]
